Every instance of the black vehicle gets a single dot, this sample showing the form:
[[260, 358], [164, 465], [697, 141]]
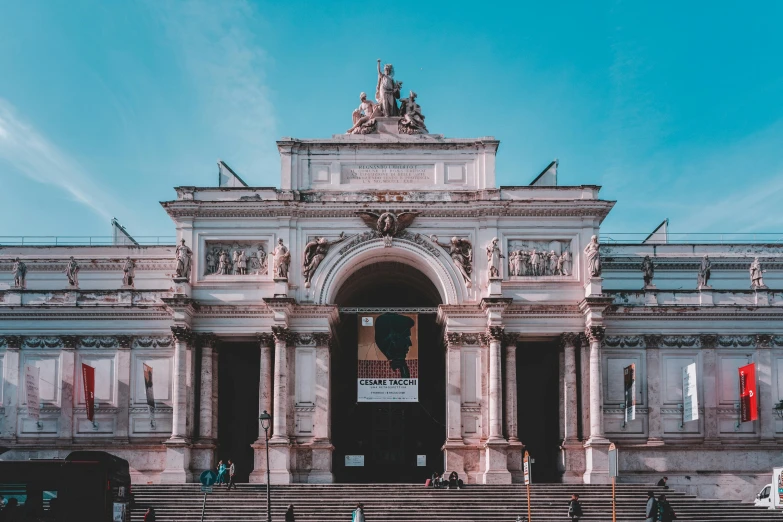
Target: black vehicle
[[85, 485]]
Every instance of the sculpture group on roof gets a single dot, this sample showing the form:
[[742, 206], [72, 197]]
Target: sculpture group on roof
[[387, 92]]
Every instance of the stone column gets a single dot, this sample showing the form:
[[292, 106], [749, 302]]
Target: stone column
[[654, 401], [766, 400], [11, 385], [321, 469], [68, 380], [177, 448], [584, 382], [279, 443], [596, 447], [265, 393], [568, 340], [511, 393], [496, 462], [207, 389], [122, 433], [453, 448], [709, 379]]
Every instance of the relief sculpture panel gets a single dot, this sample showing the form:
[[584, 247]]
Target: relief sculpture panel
[[537, 258], [234, 258]]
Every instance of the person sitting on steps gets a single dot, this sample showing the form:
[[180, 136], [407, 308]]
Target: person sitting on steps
[[454, 481]]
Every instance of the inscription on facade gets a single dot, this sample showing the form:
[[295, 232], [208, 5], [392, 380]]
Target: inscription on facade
[[371, 174]]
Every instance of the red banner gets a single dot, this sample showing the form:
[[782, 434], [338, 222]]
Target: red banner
[[749, 404], [88, 377]]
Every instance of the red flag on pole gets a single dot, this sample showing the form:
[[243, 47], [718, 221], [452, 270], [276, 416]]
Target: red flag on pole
[[749, 409], [88, 376]]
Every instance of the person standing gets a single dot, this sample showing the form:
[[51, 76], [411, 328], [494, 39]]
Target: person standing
[[358, 513], [232, 469], [665, 511], [651, 509], [574, 508], [221, 469], [289, 514]]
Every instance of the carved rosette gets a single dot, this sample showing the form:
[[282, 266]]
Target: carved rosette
[[595, 334], [182, 334], [569, 339]]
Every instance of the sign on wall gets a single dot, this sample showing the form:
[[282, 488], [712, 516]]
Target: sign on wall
[[352, 461], [690, 394], [31, 386], [388, 358], [749, 409], [629, 380]]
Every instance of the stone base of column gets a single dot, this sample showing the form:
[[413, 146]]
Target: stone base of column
[[202, 457], [281, 454], [320, 462], [455, 453], [597, 462], [496, 463], [515, 455], [258, 475], [572, 461], [177, 469]]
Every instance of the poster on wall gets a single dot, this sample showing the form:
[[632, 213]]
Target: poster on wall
[[629, 381], [690, 394], [88, 383], [749, 409], [31, 385], [388, 358], [777, 488]]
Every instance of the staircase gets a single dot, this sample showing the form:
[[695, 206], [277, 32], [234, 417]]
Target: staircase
[[413, 503]]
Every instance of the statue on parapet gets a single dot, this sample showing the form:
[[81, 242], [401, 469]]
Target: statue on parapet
[[364, 117], [411, 118], [387, 92]]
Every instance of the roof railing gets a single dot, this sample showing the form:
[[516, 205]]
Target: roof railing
[[83, 241], [716, 238]]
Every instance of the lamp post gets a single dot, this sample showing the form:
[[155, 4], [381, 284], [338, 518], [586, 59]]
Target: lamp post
[[266, 422]]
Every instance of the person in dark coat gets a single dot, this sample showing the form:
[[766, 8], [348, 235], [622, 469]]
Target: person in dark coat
[[662, 483], [574, 508], [149, 516], [454, 481], [289, 514], [651, 508], [665, 511]]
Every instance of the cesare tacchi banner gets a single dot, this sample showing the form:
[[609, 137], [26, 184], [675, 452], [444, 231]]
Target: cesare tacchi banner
[[388, 365]]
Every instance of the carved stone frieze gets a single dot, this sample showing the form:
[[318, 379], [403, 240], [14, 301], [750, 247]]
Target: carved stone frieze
[[11, 342], [42, 342], [99, 342], [595, 333], [408, 236], [153, 342], [536, 258], [680, 341], [736, 341], [624, 341], [705, 341], [322, 338], [473, 338], [235, 258]]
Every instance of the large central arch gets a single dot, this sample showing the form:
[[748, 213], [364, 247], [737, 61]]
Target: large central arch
[[424, 256]]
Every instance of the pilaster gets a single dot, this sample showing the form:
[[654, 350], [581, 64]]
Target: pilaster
[[122, 433], [68, 361], [321, 468], [279, 443], [654, 422], [766, 401], [11, 386]]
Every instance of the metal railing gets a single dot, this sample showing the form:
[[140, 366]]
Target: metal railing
[[83, 241], [716, 238]]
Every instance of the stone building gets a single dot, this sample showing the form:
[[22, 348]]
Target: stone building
[[523, 330]]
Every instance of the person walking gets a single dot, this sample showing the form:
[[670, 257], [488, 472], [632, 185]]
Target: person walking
[[574, 508], [149, 516], [221, 470], [358, 513], [662, 483], [289, 514], [665, 511], [651, 509], [232, 469]]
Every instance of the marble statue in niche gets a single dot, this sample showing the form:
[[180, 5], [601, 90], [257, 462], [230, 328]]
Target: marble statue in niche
[[461, 252], [72, 273], [19, 270], [528, 258], [128, 272], [494, 255], [703, 278], [648, 271], [364, 117], [235, 259], [282, 260], [314, 252], [593, 257], [756, 275], [411, 120], [184, 261], [387, 91]]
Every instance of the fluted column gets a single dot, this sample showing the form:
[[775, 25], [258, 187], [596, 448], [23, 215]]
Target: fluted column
[[570, 415], [280, 414], [766, 401], [511, 393], [182, 337], [207, 387], [595, 335], [495, 334], [654, 402]]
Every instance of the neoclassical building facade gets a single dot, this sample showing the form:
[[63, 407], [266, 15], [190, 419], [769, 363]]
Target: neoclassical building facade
[[524, 330]]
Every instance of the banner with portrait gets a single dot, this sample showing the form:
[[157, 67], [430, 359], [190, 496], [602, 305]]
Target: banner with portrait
[[388, 358], [629, 388]]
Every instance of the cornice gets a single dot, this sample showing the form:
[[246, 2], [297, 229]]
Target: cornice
[[84, 342], [696, 341], [690, 312]]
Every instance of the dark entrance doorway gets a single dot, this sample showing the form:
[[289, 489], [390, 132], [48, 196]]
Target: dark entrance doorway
[[238, 381], [392, 437], [538, 407]]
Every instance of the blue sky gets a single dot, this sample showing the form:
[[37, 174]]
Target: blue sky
[[674, 107]]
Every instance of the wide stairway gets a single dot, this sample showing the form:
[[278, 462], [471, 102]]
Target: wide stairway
[[409, 502]]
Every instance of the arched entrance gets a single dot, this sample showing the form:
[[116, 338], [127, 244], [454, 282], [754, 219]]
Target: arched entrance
[[392, 437]]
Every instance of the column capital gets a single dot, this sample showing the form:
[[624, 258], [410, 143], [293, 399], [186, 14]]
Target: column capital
[[182, 333], [12, 342], [495, 333], [595, 333], [454, 339], [708, 341], [70, 342], [265, 339], [206, 339], [764, 341], [282, 334], [652, 341], [124, 341], [569, 339], [322, 338]]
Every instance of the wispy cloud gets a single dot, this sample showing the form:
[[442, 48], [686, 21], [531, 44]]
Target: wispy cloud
[[32, 154], [217, 44]]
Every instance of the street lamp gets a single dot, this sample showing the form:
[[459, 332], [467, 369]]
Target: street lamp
[[266, 422]]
